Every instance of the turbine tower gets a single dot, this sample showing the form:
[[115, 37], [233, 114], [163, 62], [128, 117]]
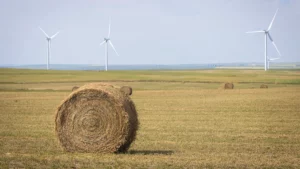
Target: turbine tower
[[48, 38], [106, 41], [267, 35]]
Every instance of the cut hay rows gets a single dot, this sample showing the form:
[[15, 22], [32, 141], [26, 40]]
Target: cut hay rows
[[96, 118], [228, 86]]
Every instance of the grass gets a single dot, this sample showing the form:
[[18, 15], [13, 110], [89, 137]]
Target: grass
[[182, 125], [10, 76]]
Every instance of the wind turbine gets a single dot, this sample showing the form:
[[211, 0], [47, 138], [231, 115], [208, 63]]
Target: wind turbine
[[106, 41], [48, 38], [267, 34]]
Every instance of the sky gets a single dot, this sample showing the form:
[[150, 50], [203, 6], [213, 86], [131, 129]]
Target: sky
[[147, 31]]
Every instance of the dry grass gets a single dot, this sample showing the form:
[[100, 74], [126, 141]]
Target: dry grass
[[207, 76], [181, 125]]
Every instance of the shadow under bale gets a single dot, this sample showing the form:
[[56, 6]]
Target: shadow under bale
[[263, 86], [96, 118], [228, 86], [151, 152]]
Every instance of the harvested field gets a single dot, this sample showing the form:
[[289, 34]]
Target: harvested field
[[181, 124]]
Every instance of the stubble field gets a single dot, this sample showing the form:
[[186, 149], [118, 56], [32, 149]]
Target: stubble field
[[186, 119]]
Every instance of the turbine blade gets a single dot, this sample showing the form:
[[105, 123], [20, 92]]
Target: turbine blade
[[272, 21], [113, 47], [271, 59], [44, 32], [255, 31], [109, 28], [102, 43], [276, 48], [270, 37], [53, 36], [273, 43]]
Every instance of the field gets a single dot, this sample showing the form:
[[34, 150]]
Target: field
[[187, 120]]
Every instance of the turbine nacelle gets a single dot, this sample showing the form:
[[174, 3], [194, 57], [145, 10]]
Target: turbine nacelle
[[106, 39]]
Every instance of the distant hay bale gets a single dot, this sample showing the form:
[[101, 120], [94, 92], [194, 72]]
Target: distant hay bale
[[96, 118], [264, 86], [228, 86], [75, 88], [126, 89]]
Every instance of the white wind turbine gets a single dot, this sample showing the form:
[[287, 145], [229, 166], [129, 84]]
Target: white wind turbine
[[106, 41], [267, 34], [48, 38]]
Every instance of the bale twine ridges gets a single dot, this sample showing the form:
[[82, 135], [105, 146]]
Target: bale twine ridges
[[96, 117]]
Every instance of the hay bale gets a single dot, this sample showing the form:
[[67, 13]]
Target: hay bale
[[228, 86], [126, 89], [96, 118], [75, 88], [264, 86]]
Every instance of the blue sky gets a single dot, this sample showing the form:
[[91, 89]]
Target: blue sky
[[147, 31]]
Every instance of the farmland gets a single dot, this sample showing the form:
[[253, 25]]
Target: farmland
[[187, 120]]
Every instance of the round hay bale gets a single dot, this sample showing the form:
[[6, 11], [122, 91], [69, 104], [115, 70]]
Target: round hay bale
[[228, 86], [264, 86], [126, 89], [96, 118], [75, 88]]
